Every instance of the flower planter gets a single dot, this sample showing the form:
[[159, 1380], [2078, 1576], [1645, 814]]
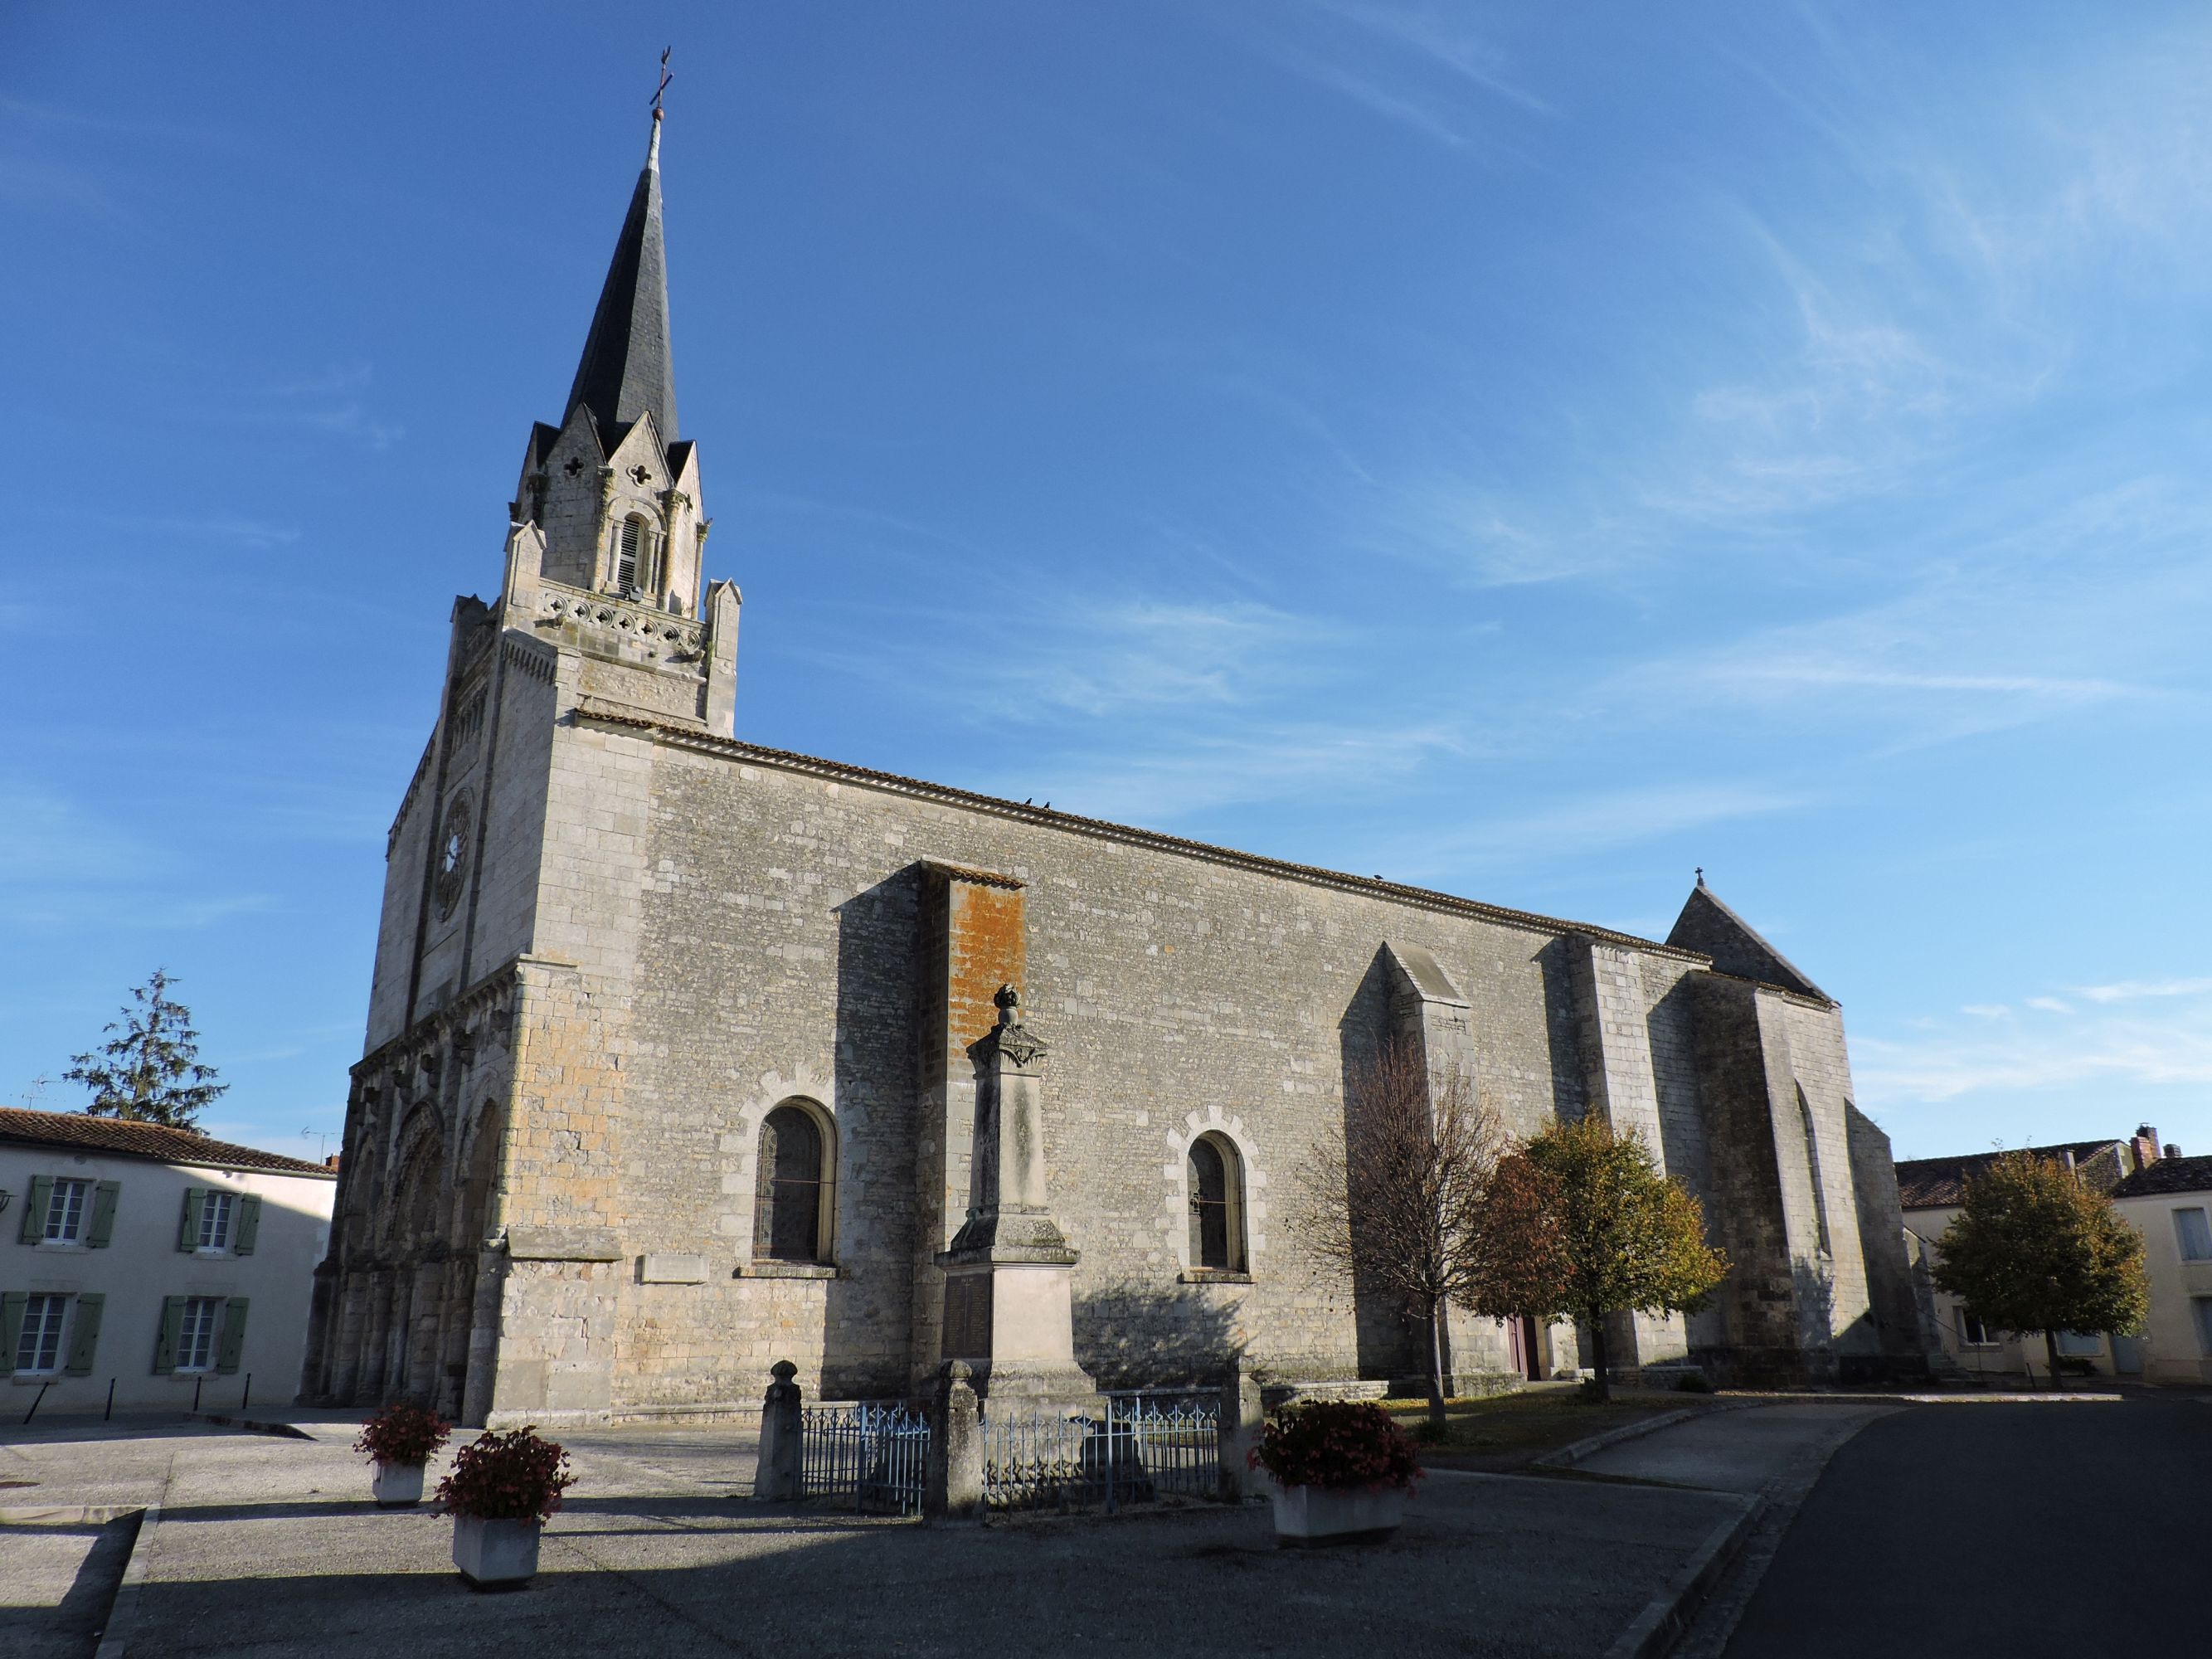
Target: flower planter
[[496, 1554], [397, 1484], [1309, 1516]]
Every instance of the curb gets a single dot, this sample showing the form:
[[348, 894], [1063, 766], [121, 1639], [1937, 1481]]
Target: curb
[[251, 1424], [1668, 1614], [123, 1611], [1567, 1456], [97, 1514]]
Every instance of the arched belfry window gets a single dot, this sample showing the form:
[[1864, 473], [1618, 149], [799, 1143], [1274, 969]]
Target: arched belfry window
[[631, 547], [792, 1207], [1215, 1178]]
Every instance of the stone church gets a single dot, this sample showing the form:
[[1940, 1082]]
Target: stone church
[[686, 1055]]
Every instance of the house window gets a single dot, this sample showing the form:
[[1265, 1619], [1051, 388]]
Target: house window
[[2202, 1306], [66, 1212], [1972, 1332], [215, 1220], [2191, 1227], [1217, 1205], [790, 1218], [196, 1333], [2081, 1344], [39, 1343]]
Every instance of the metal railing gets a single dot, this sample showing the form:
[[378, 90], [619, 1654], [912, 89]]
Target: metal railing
[[1140, 1446], [875, 1455]]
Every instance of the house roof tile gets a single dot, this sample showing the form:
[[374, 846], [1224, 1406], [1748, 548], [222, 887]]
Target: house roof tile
[[84, 1132], [2168, 1174], [1931, 1184]]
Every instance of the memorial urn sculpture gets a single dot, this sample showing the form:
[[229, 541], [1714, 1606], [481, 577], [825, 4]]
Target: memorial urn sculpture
[[1342, 1471], [503, 1489], [399, 1440]]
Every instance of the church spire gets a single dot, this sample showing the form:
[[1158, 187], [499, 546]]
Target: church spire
[[627, 369]]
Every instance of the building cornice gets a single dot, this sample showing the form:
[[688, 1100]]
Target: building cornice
[[733, 749]]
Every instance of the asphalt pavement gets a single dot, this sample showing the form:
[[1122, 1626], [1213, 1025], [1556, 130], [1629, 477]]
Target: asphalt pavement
[[2015, 1529]]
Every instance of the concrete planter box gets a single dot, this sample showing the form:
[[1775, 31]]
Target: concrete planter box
[[397, 1484], [1311, 1515], [496, 1554]]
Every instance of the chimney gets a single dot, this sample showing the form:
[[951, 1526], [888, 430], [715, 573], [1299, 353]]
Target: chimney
[[331, 1162], [2171, 1150], [2145, 1146]]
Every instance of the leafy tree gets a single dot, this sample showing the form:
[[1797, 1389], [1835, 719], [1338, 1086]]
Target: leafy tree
[[149, 1071], [1398, 1203], [1582, 1224], [2033, 1248]]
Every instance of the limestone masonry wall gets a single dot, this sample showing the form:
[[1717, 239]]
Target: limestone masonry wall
[[698, 932], [776, 917]]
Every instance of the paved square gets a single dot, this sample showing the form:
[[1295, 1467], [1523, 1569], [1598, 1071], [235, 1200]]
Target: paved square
[[270, 1546]]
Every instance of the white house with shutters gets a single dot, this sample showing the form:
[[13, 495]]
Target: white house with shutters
[[150, 1266]]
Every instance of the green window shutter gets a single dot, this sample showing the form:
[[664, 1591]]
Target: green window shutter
[[245, 1225], [173, 1327], [11, 1327], [34, 1215], [233, 1336], [84, 1335], [188, 1230], [103, 1194]]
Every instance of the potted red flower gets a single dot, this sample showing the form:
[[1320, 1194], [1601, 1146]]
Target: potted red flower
[[503, 1489], [400, 1439], [1342, 1470]]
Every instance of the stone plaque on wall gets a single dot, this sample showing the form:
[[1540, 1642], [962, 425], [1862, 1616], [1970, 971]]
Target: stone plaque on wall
[[968, 1317]]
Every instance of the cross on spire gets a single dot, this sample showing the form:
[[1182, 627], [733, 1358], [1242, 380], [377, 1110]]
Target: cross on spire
[[665, 77]]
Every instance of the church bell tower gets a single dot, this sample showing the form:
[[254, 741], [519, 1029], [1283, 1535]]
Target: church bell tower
[[613, 489]]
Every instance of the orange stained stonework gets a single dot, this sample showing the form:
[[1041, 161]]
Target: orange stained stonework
[[987, 950]]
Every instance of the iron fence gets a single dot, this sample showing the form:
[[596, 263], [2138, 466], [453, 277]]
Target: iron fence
[[875, 1455], [1140, 1446]]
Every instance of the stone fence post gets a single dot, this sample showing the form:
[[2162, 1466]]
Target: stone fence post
[[1238, 1432], [953, 1496], [775, 1477]]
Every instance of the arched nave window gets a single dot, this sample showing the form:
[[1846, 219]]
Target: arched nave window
[[792, 1207], [1216, 1177]]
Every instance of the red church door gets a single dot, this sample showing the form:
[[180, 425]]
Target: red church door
[[1525, 1348]]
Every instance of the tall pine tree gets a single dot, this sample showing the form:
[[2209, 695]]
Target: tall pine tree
[[149, 1070]]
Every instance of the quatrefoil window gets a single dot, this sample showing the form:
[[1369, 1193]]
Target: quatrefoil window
[[640, 477], [576, 465]]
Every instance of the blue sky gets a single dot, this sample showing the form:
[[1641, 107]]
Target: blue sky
[[1523, 451]]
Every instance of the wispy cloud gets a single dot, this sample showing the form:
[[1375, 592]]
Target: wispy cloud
[[1444, 40], [1102, 658], [1595, 823], [1162, 785], [1412, 66], [252, 534], [64, 869], [2006, 1054], [2134, 990]]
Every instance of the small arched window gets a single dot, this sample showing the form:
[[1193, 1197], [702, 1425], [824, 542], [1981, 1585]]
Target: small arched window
[[791, 1210], [1215, 1178]]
